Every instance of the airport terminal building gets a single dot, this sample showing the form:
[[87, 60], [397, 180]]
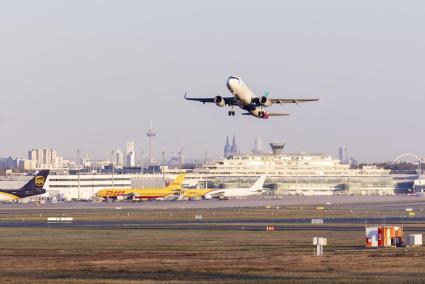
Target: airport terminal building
[[296, 174], [287, 174]]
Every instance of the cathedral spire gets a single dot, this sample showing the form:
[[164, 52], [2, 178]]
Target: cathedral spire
[[234, 148], [227, 148]]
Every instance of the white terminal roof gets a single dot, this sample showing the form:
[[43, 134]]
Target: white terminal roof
[[295, 164]]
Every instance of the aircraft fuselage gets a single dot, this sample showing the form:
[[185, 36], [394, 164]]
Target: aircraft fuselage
[[244, 96], [240, 90]]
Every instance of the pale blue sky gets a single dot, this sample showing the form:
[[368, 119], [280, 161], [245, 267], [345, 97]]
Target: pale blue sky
[[90, 74]]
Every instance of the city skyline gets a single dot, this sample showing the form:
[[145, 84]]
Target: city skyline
[[70, 82]]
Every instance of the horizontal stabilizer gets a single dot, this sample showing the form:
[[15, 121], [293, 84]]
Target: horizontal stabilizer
[[278, 114], [269, 114]]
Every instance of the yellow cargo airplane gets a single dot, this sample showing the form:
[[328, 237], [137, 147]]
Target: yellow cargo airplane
[[173, 189], [195, 193]]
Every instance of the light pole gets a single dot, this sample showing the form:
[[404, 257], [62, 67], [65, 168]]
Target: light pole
[[141, 168], [150, 134], [113, 168], [141, 164], [180, 157], [78, 172], [163, 166]]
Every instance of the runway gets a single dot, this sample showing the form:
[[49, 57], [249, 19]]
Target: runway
[[392, 201], [330, 224], [124, 215]]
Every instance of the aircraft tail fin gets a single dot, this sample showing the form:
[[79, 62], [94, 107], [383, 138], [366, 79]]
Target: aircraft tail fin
[[258, 185], [177, 182], [36, 182]]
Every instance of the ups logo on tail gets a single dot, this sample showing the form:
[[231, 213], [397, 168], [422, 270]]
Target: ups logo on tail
[[39, 181]]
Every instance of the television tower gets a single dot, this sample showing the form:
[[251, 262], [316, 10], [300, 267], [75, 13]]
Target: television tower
[[150, 134]]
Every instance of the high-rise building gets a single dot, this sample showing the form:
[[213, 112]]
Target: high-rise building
[[86, 161], [32, 155], [130, 160], [258, 146], [343, 155], [130, 147], [54, 157], [119, 158], [9, 163], [59, 162], [40, 157], [130, 155], [45, 158], [26, 165]]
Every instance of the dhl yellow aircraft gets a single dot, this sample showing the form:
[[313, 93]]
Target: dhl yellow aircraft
[[195, 193], [173, 189]]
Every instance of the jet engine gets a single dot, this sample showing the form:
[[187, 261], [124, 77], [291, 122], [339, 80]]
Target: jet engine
[[264, 101], [219, 101], [260, 113]]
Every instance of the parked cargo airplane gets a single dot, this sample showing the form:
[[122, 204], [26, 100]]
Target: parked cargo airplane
[[171, 190], [255, 189], [244, 98], [31, 188], [194, 193]]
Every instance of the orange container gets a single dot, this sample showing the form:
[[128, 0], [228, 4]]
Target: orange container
[[392, 232], [387, 237]]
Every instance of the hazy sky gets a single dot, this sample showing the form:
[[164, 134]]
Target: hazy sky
[[90, 74]]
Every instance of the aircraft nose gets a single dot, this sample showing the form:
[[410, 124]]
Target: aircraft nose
[[231, 82]]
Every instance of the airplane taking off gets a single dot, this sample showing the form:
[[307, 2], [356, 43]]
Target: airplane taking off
[[173, 189], [244, 98], [31, 188], [255, 189]]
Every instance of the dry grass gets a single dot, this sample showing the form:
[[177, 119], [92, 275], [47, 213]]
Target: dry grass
[[89, 255], [125, 255]]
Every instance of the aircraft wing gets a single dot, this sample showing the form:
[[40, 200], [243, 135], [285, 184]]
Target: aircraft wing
[[227, 100], [291, 101]]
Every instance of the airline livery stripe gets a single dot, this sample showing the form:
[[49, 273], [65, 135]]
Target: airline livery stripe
[[11, 196]]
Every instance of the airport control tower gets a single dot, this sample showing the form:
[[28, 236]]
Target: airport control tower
[[277, 147], [150, 134]]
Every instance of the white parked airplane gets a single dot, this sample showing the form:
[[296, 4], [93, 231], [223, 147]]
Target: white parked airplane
[[255, 189], [244, 98]]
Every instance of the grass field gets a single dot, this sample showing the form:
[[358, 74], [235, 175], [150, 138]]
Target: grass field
[[127, 255]]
